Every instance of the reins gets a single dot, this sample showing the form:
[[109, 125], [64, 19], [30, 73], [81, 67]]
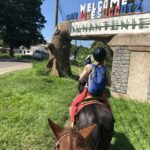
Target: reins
[[60, 140]]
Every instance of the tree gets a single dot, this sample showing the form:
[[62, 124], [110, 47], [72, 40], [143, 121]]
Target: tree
[[79, 51], [1, 42], [21, 22], [59, 51], [82, 54]]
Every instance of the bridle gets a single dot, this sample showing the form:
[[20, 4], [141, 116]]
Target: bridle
[[60, 140]]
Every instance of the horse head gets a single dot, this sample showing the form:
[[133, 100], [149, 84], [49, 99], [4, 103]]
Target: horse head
[[70, 139]]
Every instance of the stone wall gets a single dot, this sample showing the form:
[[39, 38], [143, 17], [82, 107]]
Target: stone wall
[[120, 69]]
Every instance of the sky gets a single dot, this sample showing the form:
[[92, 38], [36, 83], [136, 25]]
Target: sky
[[68, 6], [48, 10]]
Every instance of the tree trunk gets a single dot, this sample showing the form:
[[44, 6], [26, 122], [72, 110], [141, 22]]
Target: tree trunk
[[59, 50], [11, 51]]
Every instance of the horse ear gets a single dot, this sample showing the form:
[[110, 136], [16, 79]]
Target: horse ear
[[55, 128], [87, 131]]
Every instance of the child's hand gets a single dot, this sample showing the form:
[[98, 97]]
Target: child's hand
[[81, 86]]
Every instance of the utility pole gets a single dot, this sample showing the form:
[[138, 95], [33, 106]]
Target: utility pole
[[56, 13]]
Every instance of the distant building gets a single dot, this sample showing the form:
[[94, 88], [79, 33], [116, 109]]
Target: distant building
[[25, 51]]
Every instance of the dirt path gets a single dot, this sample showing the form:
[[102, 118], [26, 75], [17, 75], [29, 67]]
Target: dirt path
[[6, 67]]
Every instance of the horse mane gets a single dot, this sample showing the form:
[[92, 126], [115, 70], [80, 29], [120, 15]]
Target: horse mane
[[102, 117]]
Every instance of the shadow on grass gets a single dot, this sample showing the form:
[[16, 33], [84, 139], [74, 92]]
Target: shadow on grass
[[121, 142], [74, 77]]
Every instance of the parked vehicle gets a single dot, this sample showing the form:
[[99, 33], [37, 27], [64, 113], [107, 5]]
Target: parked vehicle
[[72, 57], [40, 54]]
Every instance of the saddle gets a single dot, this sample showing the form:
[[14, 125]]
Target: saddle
[[89, 101]]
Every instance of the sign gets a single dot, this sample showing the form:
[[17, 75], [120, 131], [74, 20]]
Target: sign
[[137, 23], [108, 8]]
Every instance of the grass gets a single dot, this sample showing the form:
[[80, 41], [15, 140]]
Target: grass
[[132, 129], [19, 56], [29, 97]]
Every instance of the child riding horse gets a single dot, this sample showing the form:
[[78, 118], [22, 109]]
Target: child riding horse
[[98, 78]]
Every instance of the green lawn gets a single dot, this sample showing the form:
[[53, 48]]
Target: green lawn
[[132, 126], [29, 97]]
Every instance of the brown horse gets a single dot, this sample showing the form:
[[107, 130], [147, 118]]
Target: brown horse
[[70, 139]]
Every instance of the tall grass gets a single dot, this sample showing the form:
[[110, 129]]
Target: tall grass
[[29, 97]]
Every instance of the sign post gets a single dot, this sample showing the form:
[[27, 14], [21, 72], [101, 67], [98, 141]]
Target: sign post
[[56, 13]]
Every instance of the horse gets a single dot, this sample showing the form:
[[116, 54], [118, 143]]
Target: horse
[[94, 130], [100, 115], [70, 139]]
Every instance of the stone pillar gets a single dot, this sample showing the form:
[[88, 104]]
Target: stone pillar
[[120, 69], [131, 66], [138, 80], [149, 87]]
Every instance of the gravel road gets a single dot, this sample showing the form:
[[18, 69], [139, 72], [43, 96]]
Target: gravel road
[[6, 67]]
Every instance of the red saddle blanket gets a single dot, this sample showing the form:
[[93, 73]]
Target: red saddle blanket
[[86, 103]]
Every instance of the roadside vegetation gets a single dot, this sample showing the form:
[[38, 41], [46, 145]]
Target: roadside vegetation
[[17, 56], [26, 22], [29, 97]]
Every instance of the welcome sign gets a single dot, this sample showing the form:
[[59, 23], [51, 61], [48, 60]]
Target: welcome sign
[[108, 8], [110, 17]]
